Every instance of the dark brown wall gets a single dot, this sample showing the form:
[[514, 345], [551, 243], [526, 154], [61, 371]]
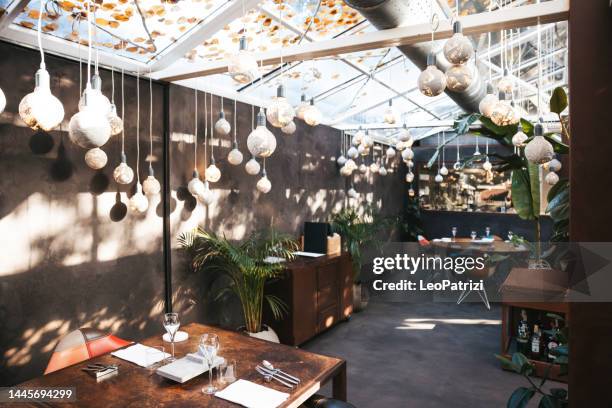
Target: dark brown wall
[[63, 262], [306, 186], [590, 58]]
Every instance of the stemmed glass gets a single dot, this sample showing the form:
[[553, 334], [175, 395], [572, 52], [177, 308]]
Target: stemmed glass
[[454, 232], [171, 324], [510, 235], [473, 235], [209, 345], [487, 231]]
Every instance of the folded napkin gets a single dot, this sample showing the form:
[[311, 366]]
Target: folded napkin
[[442, 240], [186, 368], [251, 395], [137, 354]]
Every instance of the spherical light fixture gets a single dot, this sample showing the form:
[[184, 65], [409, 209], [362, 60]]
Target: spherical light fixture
[[206, 196], [352, 152], [382, 171], [488, 102], [350, 163], [263, 184], [89, 127], [374, 167], [341, 160], [367, 140], [503, 114], [551, 178], [411, 192], [346, 171], [289, 129], [539, 150], [363, 150], [2, 101], [151, 186], [261, 142], [432, 81], [554, 165], [115, 122], [96, 158], [234, 157], [506, 83], [252, 167], [195, 186], [242, 66], [280, 112], [405, 137], [409, 177], [389, 116], [358, 137], [363, 168], [212, 172], [123, 174], [407, 154], [390, 153], [519, 137], [458, 49], [459, 77], [352, 193], [487, 166], [444, 170], [222, 126], [40, 109], [138, 202], [301, 108], [438, 178], [94, 97], [312, 115]]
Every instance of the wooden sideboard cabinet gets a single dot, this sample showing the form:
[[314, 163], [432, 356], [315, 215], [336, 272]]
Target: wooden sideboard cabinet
[[318, 293]]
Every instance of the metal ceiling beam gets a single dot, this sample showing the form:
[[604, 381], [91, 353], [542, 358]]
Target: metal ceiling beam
[[508, 18], [11, 13], [383, 126]]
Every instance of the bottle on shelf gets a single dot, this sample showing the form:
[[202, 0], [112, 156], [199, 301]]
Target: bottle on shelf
[[537, 343], [553, 341], [522, 338]]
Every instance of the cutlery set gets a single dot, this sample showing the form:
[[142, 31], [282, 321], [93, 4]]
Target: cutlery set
[[270, 373]]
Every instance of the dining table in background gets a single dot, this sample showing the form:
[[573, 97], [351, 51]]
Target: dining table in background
[[135, 386]]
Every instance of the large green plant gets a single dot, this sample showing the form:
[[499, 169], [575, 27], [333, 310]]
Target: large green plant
[[358, 231], [247, 266], [410, 220]]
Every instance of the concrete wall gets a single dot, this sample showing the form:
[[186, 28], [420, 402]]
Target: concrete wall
[[64, 261]]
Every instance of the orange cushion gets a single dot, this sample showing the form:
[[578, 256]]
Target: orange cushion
[[65, 358], [105, 345]]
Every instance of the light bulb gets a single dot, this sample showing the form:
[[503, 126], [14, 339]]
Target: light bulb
[[350, 163], [389, 116], [390, 153], [503, 113], [222, 126], [352, 152], [212, 173], [438, 178], [195, 186], [554, 165], [432, 81], [206, 196], [443, 170], [409, 177], [551, 178], [341, 160], [519, 137], [367, 140], [242, 66], [301, 108], [252, 167], [539, 150], [346, 170], [89, 127], [94, 97], [459, 77], [138, 202], [457, 165], [115, 122], [488, 102], [280, 112], [289, 129], [123, 174], [40, 109], [363, 168], [374, 167], [96, 158], [358, 137], [312, 114], [487, 165], [263, 184], [151, 185], [363, 150], [399, 146], [407, 154], [405, 137], [353, 193], [409, 163], [261, 142], [506, 83], [458, 49], [234, 157], [2, 101], [382, 171], [411, 192]]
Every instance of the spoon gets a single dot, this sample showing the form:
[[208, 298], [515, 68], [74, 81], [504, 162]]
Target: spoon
[[269, 366]]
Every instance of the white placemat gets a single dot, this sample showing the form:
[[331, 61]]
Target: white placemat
[[137, 354], [186, 368], [251, 395]]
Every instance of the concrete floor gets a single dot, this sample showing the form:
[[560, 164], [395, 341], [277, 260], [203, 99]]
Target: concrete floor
[[393, 362]]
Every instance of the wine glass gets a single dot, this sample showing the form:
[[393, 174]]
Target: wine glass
[[473, 235], [510, 235], [454, 232], [487, 231], [209, 345], [171, 324]]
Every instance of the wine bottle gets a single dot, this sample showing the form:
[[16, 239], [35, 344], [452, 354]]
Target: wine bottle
[[522, 338], [536, 343]]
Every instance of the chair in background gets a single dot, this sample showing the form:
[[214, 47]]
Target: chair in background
[[319, 401], [82, 344]]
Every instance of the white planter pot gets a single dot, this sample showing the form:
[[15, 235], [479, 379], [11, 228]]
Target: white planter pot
[[266, 334]]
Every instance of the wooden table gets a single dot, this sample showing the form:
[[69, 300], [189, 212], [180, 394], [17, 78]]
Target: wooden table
[[135, 386], [496, 246]]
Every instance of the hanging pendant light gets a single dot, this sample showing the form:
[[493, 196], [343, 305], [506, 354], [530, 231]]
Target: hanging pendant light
[[138, 202], [363, 168], [96, 158], [405, 137], [289, 129], [367, 140], [263, 184], [151, 186], [242, 66], [39, 109], [2, 101], [459, 77], [280, 112], [382, 171], [390, 153], [457, 164], [374, 167], [506, 83], [407, 154], [358, 137], [341, 160], [409, 177], [207, 197], [363, 150], [551, 178], [235, 157], [458, 49], [432, 81], [352, 193], [487, 103], [539, 150], [212, 173], [261, 142], [438, 178], [115, 122], [519, 137], [301, 109], [312, 115], [93, 90], [252, 167], [487, 166], [553, 165], [353, 152], [503, 113], [390, 117], [222, 126], [443, 170], [195, 185], [411, 192], [346, 170], [123, 174]]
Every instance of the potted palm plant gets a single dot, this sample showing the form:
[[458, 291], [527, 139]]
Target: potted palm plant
[[249, 265]]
